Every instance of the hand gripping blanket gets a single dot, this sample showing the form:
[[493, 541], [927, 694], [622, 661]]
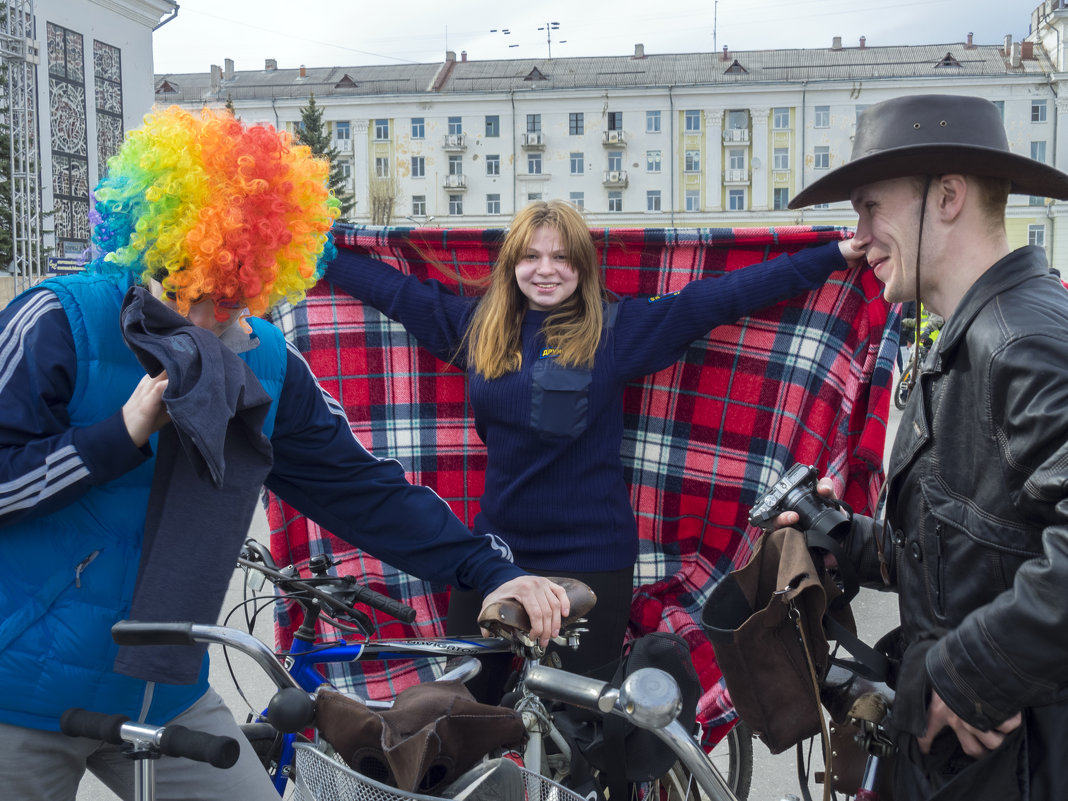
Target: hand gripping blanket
[[807, 380]]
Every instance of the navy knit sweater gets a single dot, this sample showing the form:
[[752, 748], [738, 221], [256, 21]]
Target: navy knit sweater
[[554, 479]]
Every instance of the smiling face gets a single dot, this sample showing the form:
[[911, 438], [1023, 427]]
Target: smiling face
[[543, 273], [887, 231]]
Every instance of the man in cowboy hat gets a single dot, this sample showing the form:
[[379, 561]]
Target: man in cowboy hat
[[976, 533]]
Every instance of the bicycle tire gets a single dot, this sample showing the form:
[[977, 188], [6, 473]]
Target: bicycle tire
[[732, 757]]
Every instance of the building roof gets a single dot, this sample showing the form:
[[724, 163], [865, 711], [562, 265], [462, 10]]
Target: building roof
[[607, 72]]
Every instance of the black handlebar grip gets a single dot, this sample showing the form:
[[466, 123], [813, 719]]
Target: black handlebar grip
[[384, 603], [135, 632], [217, 750], [77, 722]]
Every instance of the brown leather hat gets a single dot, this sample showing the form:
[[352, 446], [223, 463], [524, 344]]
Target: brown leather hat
[[932, 135]]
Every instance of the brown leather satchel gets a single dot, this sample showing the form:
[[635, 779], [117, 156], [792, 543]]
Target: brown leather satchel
[[766, 624], [432, 734]]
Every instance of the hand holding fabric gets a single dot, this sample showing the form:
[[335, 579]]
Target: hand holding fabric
[[145, 413]]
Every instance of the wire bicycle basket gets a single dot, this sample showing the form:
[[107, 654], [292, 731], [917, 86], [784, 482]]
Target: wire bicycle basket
[[322, 777]]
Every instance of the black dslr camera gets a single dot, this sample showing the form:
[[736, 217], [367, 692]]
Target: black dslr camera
[[796, 491]]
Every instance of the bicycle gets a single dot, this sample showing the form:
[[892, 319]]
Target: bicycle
[[330, 598]]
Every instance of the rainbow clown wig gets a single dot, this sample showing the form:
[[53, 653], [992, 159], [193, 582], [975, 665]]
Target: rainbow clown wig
[[210, 208]]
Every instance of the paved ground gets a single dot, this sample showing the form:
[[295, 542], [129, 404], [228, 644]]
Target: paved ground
[[774, 777]]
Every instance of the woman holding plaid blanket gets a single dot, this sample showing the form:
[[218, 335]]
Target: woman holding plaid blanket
[[548, 353]]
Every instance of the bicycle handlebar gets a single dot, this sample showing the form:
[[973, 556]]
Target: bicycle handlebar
[[174, 740], [261, 561]]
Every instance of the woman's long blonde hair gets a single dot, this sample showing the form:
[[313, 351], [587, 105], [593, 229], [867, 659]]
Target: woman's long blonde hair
[[493, 339]]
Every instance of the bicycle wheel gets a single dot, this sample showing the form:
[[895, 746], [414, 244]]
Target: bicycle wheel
[[732, 757]]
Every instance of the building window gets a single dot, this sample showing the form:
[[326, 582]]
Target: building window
[[1038, 151], [652, 122], [652, 161], [615, 120], [418, 128], [736, 158], [652, 200], [576, 123], [1038, 111], [615, 160], [578, 163], [738, 119], [418, 167], [780, 158], [861, 108], [615, 201], [692, 120], [533, 123], [693, 161], [346, 168], [342, 131], [781, 198], [1001, 107], [493, 165], [493, 125], [1036, 235], [456, 165], [578, 200], [107, 75], [456, 125], [418, 205], [780, 118], [1035, 200], [534, 163], [693, 200], [381, 130], [533, 197], [493, 204], [823, 117], [736, 199], [456, 204], [823, 158], [381, 167]]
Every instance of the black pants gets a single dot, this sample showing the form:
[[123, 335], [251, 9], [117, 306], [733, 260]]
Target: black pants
[[598, 652]]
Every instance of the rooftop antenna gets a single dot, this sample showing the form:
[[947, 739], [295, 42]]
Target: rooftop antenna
[[549, 27], [715, 14]]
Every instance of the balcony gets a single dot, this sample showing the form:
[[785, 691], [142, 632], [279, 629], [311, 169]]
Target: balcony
[[455, 182], [614, 139], [343, 145], [736, 135], [455, 143], [736, 176], [616, 179], [533, 140]]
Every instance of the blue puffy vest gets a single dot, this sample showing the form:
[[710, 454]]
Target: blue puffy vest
[[70, 575]]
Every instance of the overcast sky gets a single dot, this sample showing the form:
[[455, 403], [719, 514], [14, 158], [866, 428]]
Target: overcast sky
[[354, 32]]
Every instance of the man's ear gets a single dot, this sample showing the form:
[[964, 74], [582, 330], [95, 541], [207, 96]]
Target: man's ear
[[952, 191]]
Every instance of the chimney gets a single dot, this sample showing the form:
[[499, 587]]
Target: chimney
[[725, 56], [216, 74], [836, 43], [1027, 51], [1016, 55], [450, 55], [228, 71], [863, 41], [639, 51], [303, 71], [1008, 46], [270, 65], [971, 44], [463, 55]]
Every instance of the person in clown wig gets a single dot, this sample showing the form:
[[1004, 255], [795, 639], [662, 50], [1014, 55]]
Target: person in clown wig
[[143, 406]]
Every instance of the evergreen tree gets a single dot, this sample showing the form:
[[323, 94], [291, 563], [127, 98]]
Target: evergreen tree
[[313, 134]]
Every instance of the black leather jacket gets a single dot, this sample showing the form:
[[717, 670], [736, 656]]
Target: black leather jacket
[[977, 511]]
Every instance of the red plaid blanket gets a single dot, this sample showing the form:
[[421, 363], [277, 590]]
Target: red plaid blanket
[[808, 380]]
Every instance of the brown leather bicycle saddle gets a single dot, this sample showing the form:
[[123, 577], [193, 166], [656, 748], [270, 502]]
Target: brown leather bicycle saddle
[[507, 618]]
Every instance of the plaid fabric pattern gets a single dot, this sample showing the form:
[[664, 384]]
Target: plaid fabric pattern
[[806, 380]]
